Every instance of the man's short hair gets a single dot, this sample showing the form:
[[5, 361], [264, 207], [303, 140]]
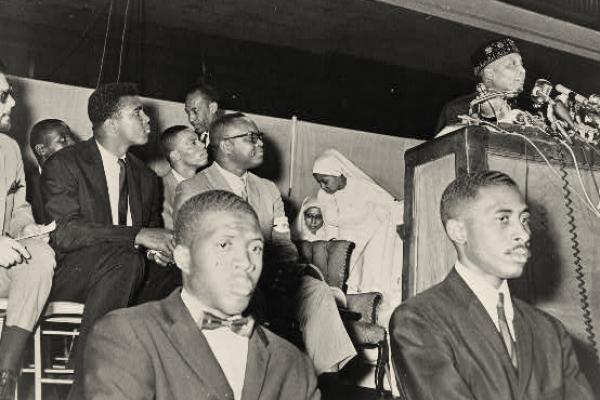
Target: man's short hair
[[45, 126], [221, 124], [168, 137], [104, 101], [466, 187], [208, 92], [190, 217]]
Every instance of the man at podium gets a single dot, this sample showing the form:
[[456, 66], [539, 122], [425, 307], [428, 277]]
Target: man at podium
[[499, 68]]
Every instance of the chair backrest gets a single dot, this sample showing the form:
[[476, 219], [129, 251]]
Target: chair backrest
[[331, 257]]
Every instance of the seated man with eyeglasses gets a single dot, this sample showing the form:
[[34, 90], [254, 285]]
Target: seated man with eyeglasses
[[237, 146]]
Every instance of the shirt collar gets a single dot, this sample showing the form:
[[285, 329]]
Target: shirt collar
[[177, 175], [107, 156], [196, 307], [486, 293], [231, 177]]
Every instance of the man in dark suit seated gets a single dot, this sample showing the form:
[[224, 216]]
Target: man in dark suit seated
[[198, 343], [106, 204], [467, 338], [46, 138]]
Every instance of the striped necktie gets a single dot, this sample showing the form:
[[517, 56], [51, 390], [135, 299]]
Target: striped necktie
[[505, 331]]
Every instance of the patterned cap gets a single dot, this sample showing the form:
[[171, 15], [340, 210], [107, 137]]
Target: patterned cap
[[492, 51]]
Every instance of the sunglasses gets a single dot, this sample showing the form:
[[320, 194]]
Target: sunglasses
[[253, 136], [5, 94]]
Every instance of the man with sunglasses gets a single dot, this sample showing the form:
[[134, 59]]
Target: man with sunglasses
[[26, 265], [237, 146]]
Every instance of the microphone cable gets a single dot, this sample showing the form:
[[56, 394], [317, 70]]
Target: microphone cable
[[584, 303]]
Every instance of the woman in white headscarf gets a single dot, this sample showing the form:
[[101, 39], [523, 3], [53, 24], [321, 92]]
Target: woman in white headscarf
[[355, 208], [309, 223]]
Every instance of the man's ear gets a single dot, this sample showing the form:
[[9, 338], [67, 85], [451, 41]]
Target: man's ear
[[213, 107], [456, 231], [226, 146], [39, 149], [110, 125], [183, 258], [174, 155], [488, 76]]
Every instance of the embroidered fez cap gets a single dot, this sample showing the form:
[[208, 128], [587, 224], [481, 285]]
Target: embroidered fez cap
[[492, 51]]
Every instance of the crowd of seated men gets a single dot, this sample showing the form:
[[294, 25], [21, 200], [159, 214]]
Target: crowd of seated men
[[114, 244], [177, 276]]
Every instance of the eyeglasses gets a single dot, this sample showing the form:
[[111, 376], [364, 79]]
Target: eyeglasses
[[4, 95], [253, 136]]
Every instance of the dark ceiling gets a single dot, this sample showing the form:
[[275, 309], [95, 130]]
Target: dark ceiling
[[580, 12], [362, 64]]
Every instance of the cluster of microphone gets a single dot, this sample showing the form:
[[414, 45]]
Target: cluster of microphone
[[568, 113]]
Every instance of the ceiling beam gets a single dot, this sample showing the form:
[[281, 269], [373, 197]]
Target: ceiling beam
[[511, 21]]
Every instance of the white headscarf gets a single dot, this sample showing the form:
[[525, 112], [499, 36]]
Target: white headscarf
[[300, 229], [332, 162]]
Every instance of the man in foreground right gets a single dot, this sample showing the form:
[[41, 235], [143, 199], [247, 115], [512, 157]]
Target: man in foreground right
[[467, 338], [198, 343]]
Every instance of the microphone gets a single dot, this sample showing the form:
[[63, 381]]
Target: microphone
[[574, 95], [540, 94]]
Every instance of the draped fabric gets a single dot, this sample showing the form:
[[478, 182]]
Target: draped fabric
[[367, 215]]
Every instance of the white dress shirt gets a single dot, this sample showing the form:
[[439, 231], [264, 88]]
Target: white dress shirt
[[488, 296], [111, 172], [237, 183], [229, 348], [178, 177]]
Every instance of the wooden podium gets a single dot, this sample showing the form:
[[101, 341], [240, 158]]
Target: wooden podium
[[565, 233]]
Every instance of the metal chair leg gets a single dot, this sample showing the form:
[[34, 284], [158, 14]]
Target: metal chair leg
[[37, 363]]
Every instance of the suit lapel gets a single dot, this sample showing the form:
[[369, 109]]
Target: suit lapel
[[216, 179], [191, 344], [253, 192], [480, 319], [4, 187], [524, 349], [256, 365], [135, 192], [96, 177]]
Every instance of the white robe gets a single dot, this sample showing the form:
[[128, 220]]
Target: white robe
[[367, 215]]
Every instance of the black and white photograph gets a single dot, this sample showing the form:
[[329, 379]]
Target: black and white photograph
[[299, 199]]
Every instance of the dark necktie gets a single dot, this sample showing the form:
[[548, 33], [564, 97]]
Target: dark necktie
[[242, 326], [123, 192], [505, 332]]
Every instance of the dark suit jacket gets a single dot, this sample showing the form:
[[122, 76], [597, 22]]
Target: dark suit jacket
[[156, 351], [449, 348], [76, 195], [34, 194], [452, 109]]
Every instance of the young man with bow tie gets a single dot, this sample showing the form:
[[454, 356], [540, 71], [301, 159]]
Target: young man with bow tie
[[198, 342]]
